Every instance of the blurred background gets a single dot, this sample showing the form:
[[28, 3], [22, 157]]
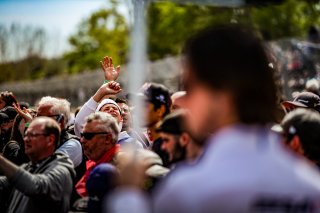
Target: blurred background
[[53, 47]]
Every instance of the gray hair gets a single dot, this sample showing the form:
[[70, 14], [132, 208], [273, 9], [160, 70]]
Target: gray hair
[[59, 106], [106, 123]]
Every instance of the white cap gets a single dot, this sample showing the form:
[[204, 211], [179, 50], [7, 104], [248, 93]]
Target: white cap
[[107, 101]]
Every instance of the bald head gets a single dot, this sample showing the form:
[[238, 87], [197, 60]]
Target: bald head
[[177, 98]]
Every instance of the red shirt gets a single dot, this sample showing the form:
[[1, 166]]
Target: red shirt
[[106, 158]]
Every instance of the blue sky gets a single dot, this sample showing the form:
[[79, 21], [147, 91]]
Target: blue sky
[[58, 17]]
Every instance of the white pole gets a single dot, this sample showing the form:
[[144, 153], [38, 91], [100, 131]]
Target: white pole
[[137, 64]]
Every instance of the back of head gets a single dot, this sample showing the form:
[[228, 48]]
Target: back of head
[[305, 124], [232, 58], [59, 106]]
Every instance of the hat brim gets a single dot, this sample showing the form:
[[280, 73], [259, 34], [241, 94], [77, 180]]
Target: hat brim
[[288, 104]]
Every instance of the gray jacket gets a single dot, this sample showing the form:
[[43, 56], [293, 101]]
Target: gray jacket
[[46, 189]]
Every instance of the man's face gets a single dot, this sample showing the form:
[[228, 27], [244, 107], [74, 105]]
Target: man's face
[[113, 111], [95, 147], [35, 141], [126, 115], [169, 144], [151, 115]]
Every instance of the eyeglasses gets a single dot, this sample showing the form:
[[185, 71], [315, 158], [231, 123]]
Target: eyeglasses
[[90, 135], [33, 135]]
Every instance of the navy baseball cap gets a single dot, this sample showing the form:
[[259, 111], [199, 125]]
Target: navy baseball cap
[[156, 93]]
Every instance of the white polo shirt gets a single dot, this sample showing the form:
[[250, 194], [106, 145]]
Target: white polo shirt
[[244, 169]]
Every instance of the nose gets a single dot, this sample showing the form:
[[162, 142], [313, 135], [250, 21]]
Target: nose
[[83, 140]]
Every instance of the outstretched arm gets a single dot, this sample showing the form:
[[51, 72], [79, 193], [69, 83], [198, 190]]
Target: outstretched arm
[[90, 106]]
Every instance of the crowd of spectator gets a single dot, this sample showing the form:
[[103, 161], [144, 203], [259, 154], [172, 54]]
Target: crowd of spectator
[[220, 145]]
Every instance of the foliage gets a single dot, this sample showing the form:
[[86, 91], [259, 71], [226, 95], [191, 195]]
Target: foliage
[[105, 32], [170, 24], [30, 68]]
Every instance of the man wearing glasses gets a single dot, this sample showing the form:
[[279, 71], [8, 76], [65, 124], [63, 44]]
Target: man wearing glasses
[[45, 183], [99, 141], [59, 110]]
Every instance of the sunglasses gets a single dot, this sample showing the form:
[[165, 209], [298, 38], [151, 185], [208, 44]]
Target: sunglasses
[[90, 135]]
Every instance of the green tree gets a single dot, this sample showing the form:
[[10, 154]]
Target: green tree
[[169, 24], [105, 32]]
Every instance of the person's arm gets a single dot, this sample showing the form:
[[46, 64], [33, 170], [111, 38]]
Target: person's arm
[[110, 88], [88, 108], [7, 168], [52, 183]]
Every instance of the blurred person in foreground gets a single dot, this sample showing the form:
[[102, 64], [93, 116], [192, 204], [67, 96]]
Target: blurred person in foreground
[[301, 129], [45, 183], [231, 96]]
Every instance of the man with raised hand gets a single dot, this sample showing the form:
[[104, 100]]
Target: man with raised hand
[[100, 102]]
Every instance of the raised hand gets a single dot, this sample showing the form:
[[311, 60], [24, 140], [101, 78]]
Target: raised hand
[[27, 117], [110, 73], [109, 89]]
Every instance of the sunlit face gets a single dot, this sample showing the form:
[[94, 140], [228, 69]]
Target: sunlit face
[[97, 146], [113, 110], [35, 141]]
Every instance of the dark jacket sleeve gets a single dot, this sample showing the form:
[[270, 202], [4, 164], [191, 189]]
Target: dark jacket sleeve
[[52, 183]]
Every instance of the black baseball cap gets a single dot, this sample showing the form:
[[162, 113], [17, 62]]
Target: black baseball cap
[[304, 100], [174, 123]]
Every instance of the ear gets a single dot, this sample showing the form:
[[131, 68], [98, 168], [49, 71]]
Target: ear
[[184, 139], [51, 141], [62, 123], [295, 144]]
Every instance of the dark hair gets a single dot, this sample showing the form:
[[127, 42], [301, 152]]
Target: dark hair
[[304, 123], [232, 58], [121, 101], [8, 98]]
